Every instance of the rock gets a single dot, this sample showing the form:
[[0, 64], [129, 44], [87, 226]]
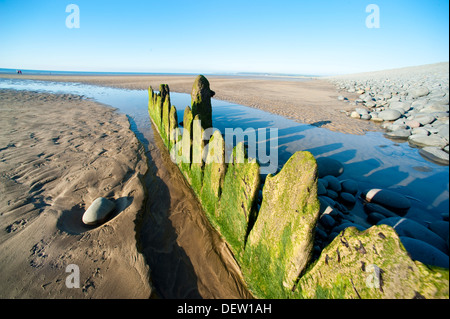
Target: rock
[[333, 183], [201, 101], [355, 115], [420, 131], [370, 265], [409, 228], [391, 200], [332, 194], [98, 212], [389, 115], [440, 228], [347, 198], [444, 131], [424, 119], [424, 252], [419, 92], [329, 166], [345, 225], [321, 189], [431, 140], [279, 246], [375, 208], [349, 186], [327, 221], [400, 134], [412, 124], [366, 117], [400, 105], [435, 154], [374, 218]]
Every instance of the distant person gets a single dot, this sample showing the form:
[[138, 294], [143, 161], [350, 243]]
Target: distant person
[[19, 72]]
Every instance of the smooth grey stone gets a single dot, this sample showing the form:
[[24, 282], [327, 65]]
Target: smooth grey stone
[[98, 212], [435, 154], [402, 134], [431, 140], [420, 131], [389, 115], [425, 253], [424, 119], [419, 92]]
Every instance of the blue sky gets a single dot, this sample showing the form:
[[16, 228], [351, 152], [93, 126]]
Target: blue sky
[[294, 37]]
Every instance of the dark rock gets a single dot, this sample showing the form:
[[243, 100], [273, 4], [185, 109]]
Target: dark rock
[[329, 166], [327, 221], [388, 199], [321, 189], [441, 228], [333, 183], [343, 226], [349, 186], [424, 252], [347, 198], [374, 218], [332, 194], [375, 208]]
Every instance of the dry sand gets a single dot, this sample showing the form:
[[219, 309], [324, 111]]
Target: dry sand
[[306, 101], [57, 154]]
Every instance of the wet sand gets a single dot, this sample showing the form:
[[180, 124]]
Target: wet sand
[[58, 153], [311, 101]]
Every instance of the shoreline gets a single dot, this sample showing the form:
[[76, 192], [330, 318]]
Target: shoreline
[[311, 102]]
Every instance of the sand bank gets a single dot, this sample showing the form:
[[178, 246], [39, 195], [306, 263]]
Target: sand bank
[[58, 153], [312, 101]]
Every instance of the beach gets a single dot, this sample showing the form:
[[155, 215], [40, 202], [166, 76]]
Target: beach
[[58, 153]]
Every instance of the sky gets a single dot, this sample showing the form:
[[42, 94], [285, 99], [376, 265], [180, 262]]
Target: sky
[[321, 37]]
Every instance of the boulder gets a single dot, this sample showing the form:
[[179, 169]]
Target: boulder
[[333, 183], [389, 199], [424, 252], [435, 154], [374, 218], [389, 115], [347, 198], [329, 166], [431, 140], [418, 92], [98, 211], [375, 208], [440, 228], [349, 186]]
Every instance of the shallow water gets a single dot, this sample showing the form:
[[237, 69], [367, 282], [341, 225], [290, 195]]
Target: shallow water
[[371, 159]]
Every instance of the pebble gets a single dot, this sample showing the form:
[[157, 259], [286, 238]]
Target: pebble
[[389, 115], [333, 183], [327, 221], [329, 166], [389, 199], [349, 186], [374, 218], [98, 212], [347, 198], [431, 140], [435, 154], [424, 252], [440, 228], [371, 208]]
